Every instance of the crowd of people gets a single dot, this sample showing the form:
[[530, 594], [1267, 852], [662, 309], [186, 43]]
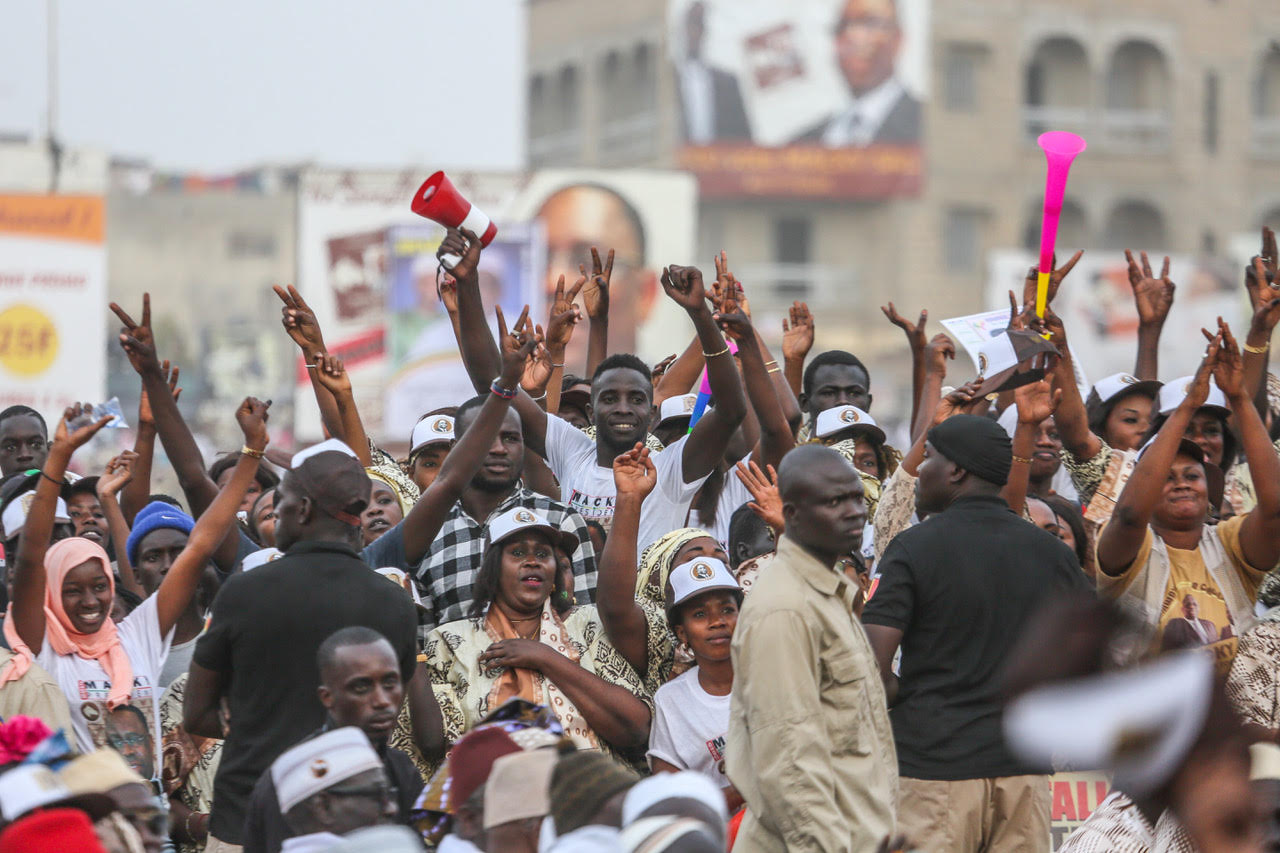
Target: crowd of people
[[604, 612]]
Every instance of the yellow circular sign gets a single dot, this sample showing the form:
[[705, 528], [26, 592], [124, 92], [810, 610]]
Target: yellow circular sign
[[28, 340]]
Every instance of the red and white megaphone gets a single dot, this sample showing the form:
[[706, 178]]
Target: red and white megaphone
[[438, 200]]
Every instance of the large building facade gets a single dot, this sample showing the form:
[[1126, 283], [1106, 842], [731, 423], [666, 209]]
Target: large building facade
[[1180, 103]]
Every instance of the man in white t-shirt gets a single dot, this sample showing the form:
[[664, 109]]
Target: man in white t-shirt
[[621, 407]]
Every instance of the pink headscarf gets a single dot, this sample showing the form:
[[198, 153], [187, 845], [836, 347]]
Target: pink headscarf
[[102, 645]]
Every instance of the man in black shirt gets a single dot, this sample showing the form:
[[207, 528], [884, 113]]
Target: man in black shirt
[[267, 624], [360, 685], [954, 593]]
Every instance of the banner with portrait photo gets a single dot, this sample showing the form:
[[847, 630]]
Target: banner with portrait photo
[[808, 98], [648, 217], [425, 370]]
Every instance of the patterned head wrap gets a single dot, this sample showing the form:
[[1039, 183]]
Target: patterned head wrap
[[386, 470], [655, 563]]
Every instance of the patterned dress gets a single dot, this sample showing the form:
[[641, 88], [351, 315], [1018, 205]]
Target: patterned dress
[[464, 690], [188, 762]]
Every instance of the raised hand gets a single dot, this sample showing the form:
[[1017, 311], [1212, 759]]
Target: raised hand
[[137, 339], [538, 368], [660, 369], [913, 331], [727, 293], [464, 243], [564, 315], [634, 474], [1055, 280], [684, 286], [766, 501], [300, 322], [736, 326], [1228, 370], [516, 345], [77, 426], [1198, 390], [1264, 292], [447, 290], [1036, 401], [1152, 294], [332, 374], [170, 374], [117, 474], [252, 418], [961, 401], [595, 297], [937, 353], [797, 335]]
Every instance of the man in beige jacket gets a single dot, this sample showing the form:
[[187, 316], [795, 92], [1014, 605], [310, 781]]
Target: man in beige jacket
[[810, 747]]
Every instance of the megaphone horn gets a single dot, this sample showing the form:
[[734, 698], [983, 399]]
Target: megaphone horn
[[438, 200]]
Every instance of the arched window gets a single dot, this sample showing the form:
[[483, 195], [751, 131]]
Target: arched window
[[1073, 227], [1138, 96], [1136, 225], [1056, 87]]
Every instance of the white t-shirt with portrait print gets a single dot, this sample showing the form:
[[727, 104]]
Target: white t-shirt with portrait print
[[86, 686], [690, 727], [588, 488]]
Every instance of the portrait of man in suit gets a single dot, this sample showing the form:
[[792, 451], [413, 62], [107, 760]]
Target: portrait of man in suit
[[711, 106], [868, 39], [1189, 630]]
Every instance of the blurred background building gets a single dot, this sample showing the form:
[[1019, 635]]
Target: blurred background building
[[843, 152]]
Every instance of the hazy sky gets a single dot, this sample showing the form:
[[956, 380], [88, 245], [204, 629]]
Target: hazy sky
[[213, 85]]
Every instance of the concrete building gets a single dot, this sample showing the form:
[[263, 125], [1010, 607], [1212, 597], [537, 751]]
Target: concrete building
[[1180, 103]]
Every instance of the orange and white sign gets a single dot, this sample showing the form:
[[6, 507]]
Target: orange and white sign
[[52, 298]]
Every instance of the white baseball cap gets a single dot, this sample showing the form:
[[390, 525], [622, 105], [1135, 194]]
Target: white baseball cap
[[1174, 392], [1110, 387], [15, 514], [323, 447], [1139, 723], [430, 430], [676, 407], [320, 763], [521, 518], [695, 577], [260, 558], [840, 418]]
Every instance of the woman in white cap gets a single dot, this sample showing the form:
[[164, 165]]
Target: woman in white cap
[[1158, 546], [525, 638]]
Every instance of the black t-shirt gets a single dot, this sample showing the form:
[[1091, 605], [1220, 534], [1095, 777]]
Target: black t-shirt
[[263, 635], [265, 829], [960, 586]]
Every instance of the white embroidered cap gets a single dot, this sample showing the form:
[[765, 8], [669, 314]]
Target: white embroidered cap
[[320, 763], [840, 418], [15, 514], [697, 576], [676, 407], [1174, 392], [431, 430], [323, 447], [1110, 387]]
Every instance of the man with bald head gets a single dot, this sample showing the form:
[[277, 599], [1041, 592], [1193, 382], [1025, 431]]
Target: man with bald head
[[809, 746], [578, 217], [955, 592], [868, 38], [267, 625]]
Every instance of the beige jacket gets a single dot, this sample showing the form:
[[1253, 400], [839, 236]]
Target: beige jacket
[[809, 747], [35, 694]]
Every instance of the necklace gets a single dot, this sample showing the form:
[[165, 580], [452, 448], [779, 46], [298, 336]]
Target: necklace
[[530, 619]]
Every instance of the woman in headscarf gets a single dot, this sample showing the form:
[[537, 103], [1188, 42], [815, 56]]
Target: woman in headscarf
[[394, 494], [1158, 547], [525, 638], [632, 601], [62, 598]]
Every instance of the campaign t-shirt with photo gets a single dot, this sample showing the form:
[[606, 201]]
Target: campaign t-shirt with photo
[[689, 727], [133, 729], [589, 490]]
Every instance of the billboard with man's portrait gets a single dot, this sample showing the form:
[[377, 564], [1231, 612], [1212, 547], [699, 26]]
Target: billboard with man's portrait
[[808, 98]]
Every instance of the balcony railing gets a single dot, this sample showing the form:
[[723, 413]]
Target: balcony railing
[[629, 139], [1119, 131], [563, 147], [776, 286]]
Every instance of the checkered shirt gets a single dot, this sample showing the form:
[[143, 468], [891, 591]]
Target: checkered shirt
[[448, 573]]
